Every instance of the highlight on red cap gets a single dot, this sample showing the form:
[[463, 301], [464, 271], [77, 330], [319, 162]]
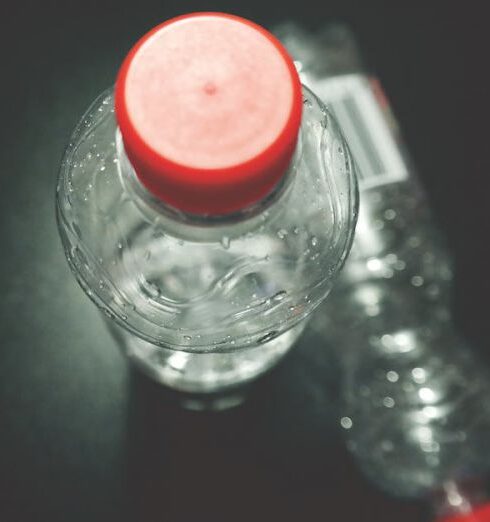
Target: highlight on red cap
[[209, 108], [479, 514]]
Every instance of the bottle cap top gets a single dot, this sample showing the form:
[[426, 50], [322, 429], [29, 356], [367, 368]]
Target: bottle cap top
[[209, 108], [479, 514]]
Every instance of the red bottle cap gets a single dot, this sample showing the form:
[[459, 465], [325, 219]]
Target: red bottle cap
[[209, 108], [479, 514]]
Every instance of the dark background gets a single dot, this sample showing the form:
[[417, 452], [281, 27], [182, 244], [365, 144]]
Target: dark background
[[82, 437]]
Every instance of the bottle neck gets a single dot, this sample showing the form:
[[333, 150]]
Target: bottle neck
[[203, 227]]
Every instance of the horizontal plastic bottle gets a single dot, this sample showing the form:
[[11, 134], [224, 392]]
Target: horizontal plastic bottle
[[415, 403], [207, 203]]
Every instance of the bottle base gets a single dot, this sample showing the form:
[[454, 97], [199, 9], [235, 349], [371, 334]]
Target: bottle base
[[206, 381]]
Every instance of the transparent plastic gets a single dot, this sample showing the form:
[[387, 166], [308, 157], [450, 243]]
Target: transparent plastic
[[202, 303], [415, 402]]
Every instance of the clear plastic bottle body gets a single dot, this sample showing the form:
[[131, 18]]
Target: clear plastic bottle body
[[395, 236], [204, 303], [415, 403]]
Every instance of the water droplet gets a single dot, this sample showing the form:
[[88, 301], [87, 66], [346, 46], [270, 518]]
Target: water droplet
[[102, 168], [279, 296], [147, 255], [282, 233], [346, 423], [390, 214], [419, 375], [187, 338], [267, 337], [225, 242], [392, 376], [427, 395], [417, 280], [388, 402], [400, 265], [314, 241], [109, 314], [296, 230], [374, 265]]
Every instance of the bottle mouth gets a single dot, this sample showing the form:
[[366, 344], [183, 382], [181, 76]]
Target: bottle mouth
[[209, 107]]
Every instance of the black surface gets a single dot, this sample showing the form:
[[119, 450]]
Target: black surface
[[81, 437]]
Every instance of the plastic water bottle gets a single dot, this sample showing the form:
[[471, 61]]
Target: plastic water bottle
[[207, 203], [396, 240], [416, 404]]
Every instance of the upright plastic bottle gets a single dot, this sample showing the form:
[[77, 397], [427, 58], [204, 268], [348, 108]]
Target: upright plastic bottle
[[416, 404], [207, 204]]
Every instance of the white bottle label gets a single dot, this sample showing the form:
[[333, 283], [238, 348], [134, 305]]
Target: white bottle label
[[363, 117]]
